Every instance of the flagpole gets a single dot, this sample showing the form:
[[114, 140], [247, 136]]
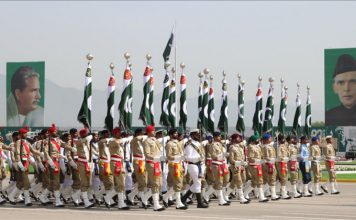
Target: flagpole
[[175, 65]]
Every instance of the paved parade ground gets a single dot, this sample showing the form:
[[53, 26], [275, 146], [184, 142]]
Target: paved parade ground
[[336, 207]]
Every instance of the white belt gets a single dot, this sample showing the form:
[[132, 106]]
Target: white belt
[[82, 160], [104, 161], [138, 158], [115, 159], [24, 158], [217, 163]]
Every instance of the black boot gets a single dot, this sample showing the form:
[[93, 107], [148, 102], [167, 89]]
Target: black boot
[[185, 197], [201, 204]]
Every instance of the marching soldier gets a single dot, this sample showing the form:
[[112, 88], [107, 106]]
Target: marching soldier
[[52, 156], [315, 156], [22, 155], [237, 161], [2, 166], [194, 155], [105, 169], [152, 149], [219, 167], [330, 156], [72, 156], [138, 165], [95, 183], [304, 165], [293, 165], [84, 165], [254, 165], [269, 169], [116, 149], [282, 162], [11, 162], [174, 152]]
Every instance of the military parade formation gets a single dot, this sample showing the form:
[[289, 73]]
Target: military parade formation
[[151, 168]]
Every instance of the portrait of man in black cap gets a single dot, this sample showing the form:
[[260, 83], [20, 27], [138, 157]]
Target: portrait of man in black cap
[[344, 86]]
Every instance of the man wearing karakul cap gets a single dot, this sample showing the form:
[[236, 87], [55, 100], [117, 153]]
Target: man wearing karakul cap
[[345, 87]]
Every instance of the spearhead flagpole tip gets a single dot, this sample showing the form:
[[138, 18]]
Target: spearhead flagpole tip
[[224, 73], [282, 80], [285, 88], [89, 56], [239, 76], [298, 85], [242, 82], [112, 66], [260, 78]]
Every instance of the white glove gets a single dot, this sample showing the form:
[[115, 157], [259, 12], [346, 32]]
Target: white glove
[[42, 155], [32, 161], [40, 166], [63, 157], [63, 167], [244, 142], [20, 166], [51, 164], [238, 163], [73, 164], [177, 159], [74, 150], [157, 159], [258, 161]]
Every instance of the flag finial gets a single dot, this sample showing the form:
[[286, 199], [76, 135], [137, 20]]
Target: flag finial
[[242, 82], [112, 66], [260, 78], [285, 88], [182, 65], [239, 76], [200, 75], [282, 80], [127, 56], [89, 57], [148, 57]]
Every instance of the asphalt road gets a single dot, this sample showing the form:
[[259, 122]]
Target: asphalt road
[[336, 207]]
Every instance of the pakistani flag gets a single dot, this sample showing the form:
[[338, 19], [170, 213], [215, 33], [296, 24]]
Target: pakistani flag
[[167, 50], [200, 105], [172, 104], [145, 114], [164, 119], [297, 122], [282, 113], [183, 114], [109, 119], [240, 125], [223, 121], [84, 115], [258, 116], [205, 105], [211, 109], [150, 100], [125, 106], [307, 127], [269, 111]]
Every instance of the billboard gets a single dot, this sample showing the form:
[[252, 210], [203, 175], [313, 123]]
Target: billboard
[[25, 83], [340, 87]]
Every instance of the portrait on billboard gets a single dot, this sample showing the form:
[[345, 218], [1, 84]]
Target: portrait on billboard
[[25, 94], [340, 87]]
